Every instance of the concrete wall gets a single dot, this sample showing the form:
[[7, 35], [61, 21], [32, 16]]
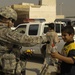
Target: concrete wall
[[60, 16], [48, 2], [47, 12]]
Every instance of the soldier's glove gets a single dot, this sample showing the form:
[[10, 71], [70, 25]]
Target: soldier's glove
[[48, 42]]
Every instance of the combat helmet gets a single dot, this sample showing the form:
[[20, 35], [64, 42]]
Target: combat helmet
[[8, 13]]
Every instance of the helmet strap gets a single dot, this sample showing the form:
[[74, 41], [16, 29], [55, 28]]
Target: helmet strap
[[8, 23]]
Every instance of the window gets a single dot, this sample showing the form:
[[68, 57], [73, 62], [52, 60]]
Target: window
[[21, 29], [58, 29], [62, 26], [33, 29], [46, 28]]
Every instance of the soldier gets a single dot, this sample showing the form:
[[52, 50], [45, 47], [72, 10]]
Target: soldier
[[10, 39]]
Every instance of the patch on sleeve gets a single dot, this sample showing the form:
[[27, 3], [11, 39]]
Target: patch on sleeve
[[73, 57]]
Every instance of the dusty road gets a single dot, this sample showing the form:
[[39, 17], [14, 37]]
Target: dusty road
[[34, 69]]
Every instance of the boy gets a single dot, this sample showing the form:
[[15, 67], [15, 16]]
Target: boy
[[53, 38], [67, 56]]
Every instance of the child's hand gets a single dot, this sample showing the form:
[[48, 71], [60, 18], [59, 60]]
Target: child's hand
[[55, 54], [54, 49]]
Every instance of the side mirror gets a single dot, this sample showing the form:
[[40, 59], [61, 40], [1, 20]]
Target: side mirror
[[13, 28]]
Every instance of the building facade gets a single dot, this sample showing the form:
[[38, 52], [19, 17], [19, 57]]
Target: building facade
[[46, 9]]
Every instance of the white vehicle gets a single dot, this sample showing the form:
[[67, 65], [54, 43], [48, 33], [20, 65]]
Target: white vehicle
[[58, 27], [41, 28], [37, 29]]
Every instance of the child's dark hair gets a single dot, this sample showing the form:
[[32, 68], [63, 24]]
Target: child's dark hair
[[68, 29], [51, 25], [69, 23]]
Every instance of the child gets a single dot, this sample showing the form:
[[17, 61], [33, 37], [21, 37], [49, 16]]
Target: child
[[67, 56], [53, 38]]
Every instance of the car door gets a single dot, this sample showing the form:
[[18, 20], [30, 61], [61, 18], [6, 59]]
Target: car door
[[21, 29], [34, 31], [43, 47]]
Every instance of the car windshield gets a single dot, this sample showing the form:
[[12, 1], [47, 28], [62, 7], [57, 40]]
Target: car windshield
[[46, 28]]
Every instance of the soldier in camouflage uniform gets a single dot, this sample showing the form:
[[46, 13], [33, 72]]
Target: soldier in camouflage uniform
[[10, 39]]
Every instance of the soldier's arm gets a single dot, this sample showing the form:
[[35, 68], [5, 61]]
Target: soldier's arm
[[7, 34], [25, 40], [3, 49]]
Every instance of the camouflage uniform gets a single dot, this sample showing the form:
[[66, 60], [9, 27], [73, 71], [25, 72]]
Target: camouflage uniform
[[12, 37], [8, 12], [9, 38]]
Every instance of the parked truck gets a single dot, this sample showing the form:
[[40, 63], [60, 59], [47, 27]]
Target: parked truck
[[37, 29]]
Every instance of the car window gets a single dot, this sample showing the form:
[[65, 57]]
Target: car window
[[57, 28], [33, 29], [73, 23], [46, 28], [21, 29], [62, 26]]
